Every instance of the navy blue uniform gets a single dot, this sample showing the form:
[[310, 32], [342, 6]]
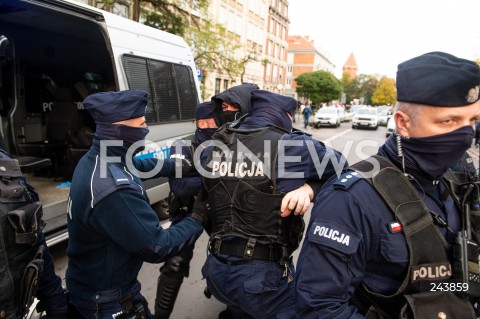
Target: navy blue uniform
[[258, 288], [113, 230], [349, 241]]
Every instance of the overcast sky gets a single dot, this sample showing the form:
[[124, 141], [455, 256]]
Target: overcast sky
[[383, 33]]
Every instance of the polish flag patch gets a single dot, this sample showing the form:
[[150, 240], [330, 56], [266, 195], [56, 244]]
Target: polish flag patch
[[395, 227]]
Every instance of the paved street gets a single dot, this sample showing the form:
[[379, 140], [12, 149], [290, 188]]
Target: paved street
[[191, 303]]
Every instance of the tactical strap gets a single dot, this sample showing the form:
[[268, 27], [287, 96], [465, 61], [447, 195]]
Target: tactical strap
[[426, 244]]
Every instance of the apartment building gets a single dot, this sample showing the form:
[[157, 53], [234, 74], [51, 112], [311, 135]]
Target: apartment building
[[276, 47], [303, 57]]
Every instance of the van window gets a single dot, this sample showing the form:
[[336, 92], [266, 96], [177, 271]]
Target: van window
[[171, 88]]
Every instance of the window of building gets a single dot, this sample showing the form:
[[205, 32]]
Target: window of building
[[225, 84], [217, 86]]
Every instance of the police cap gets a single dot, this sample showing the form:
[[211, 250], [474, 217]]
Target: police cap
[[111, 107], [204, 110], [438, 79]]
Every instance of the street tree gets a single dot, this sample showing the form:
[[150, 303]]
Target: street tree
[[385, 93], [216, 49], [319, 86], [168, 15], [367, 84]]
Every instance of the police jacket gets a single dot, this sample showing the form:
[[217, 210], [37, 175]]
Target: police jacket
[[112, 227], [353, 239], [188, 185]]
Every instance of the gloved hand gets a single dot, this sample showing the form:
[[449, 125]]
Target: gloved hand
[[201, 210], [187, 167]]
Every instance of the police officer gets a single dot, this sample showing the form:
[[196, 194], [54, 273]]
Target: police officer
[[111, 226], [182, 197], [233, 103], [379, 243], [29, 270], [249, 266]]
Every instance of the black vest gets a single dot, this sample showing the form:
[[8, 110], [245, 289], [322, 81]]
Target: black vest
[[21, 259], [242, 187]]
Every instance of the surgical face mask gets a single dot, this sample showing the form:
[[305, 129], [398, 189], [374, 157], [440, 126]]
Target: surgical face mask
[[434, 155], [129, 134]]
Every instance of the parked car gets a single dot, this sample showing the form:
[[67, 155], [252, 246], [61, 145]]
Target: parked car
[[390, 126], [383, 117], [328, 116], [365, 117]]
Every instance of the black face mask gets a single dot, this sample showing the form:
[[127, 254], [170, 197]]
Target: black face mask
[[224, 117], [434, 155]]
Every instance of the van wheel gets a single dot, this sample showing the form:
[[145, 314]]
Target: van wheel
[[317, 125], [338, 124], [161, 208]]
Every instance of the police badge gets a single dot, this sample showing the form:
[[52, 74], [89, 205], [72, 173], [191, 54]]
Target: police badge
[[472, 94]]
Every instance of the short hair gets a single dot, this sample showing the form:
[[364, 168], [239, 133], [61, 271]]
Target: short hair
[[411, 109]]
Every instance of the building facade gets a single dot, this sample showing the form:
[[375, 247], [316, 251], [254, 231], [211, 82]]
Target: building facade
[[276, 47], [303, 57]]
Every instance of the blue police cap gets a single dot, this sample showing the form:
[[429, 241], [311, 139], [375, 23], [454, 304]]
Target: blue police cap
[[204, 110], [111, 107], [438, 79], [276, 101]]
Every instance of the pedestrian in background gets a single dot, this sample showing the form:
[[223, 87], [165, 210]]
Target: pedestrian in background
[[306, 114]]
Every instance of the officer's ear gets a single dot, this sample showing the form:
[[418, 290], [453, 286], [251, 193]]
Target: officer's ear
[[403, 123], [202, 124]]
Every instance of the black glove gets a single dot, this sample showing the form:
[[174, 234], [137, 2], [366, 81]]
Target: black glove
[[201, 210], [186, 166]]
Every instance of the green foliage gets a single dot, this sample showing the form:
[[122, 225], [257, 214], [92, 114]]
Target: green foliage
[[385, 93], [215, 48], [319, 86], [168, 15]]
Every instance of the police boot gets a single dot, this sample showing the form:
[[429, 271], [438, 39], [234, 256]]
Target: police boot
[[169, 282]]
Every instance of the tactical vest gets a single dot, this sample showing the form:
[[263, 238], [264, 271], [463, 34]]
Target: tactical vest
[[429, 255], [242, 189], [21, 259]]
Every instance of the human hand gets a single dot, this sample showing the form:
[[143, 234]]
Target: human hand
[[201, 210], [297, 201]]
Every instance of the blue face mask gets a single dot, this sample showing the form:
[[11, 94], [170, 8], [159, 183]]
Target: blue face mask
[[129, 134], [434, 155], [204, 134]]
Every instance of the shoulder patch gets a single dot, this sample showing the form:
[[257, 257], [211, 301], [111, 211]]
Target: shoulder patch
[[334, 236], [347, 180]]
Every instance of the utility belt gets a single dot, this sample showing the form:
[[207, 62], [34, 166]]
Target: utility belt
[[249, 251], [133, 310]]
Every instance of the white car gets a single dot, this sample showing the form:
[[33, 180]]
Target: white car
[[329, 116], [365, 117], [390, 126], [383, 117]]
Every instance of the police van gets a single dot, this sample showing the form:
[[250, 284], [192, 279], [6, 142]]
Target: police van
[[53, 54]]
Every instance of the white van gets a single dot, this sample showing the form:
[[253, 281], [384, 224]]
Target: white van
[[55, 53]]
